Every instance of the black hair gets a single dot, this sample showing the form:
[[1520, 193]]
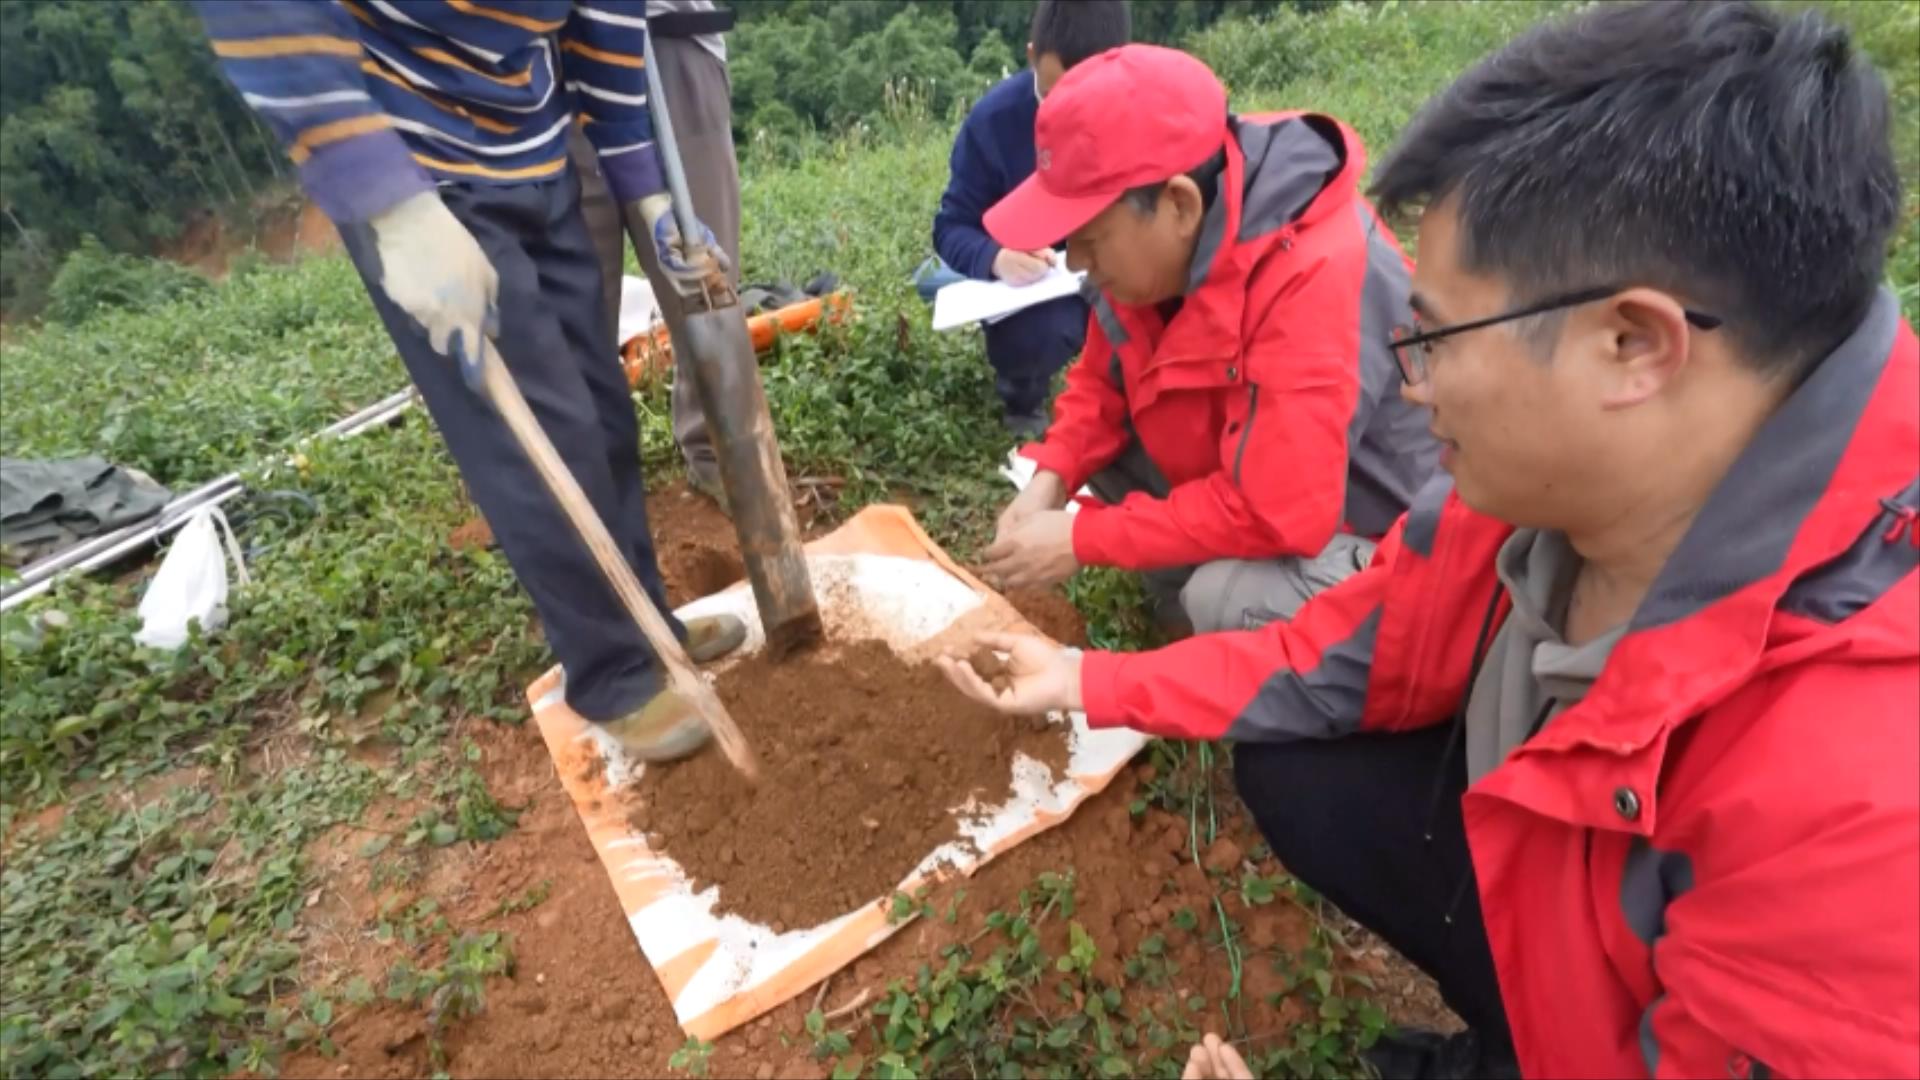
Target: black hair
[[1073, 30], [1145, 199], [1735, 155]]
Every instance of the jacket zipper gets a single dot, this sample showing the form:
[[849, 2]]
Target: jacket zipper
[[1240, 452]]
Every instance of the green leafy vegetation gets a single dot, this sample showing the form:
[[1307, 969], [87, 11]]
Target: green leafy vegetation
[[113, 123], [94, 279], [1018, 998], [156, 859], [691, 1058], [209, 381], [118, 125], [456, 989]]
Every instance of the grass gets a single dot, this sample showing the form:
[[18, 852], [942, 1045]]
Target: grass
[[190, 389], [155, 862], [1017, 997]]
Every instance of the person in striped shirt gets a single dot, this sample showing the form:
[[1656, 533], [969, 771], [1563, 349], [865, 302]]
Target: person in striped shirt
[[434, 134]]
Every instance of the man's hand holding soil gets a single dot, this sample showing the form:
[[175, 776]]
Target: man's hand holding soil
[[1033, 554], [1046, 491], [1036, 677], [1033, 542]]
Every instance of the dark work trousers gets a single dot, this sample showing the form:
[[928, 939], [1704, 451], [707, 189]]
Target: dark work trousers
[[1028, 347], [554, 340], [1348, 817]]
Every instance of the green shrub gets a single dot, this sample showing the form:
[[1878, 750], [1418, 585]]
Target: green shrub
[[1371, 65], [93, 279], [208, 381]]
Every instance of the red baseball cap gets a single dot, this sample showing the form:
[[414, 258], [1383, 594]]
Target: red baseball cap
[[1131, 116]]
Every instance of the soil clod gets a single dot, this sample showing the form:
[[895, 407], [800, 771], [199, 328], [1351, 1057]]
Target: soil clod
[[988, 665]]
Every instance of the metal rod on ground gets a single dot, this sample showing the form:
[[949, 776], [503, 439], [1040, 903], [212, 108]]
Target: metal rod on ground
[[130, 539], [506, 398], [107, 548], [727, 383]]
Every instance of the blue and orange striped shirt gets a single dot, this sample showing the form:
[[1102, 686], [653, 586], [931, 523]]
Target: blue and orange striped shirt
[[378, 99]]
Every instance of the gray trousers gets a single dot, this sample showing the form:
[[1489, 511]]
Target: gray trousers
[[699, 92], [1230, 594]]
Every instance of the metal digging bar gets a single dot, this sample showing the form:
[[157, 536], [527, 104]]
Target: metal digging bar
[[727, 381]]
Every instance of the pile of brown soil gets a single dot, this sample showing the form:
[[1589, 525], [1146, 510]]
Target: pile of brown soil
[[862, 758], [694, 544], [1051, 613], [472, 535], [693, 541], [582, 1001]]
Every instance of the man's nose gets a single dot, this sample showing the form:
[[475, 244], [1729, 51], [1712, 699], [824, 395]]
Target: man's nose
[[1420, 393], [1078, 261]]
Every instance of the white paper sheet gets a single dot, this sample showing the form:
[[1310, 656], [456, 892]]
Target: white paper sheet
[[638, 309], [964, 303], [1019, 472]]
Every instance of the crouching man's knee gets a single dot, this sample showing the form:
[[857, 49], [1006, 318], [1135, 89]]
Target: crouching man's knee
[[1237, 594]]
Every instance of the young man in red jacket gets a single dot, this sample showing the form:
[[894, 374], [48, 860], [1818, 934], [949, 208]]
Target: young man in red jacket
[[1235, 401], [1617, 735]]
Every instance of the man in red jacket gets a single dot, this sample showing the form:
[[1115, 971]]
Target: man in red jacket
[[1234, 403], [1617, 734]]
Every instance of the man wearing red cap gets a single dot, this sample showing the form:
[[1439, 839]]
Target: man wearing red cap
[[1615, 736], [1235, 402]]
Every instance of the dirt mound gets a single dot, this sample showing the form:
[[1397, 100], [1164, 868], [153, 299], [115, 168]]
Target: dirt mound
[[694, 544], [1051, 613], [863, 756], [580, 1000], [693, 541], [280, 230], [471, 535]]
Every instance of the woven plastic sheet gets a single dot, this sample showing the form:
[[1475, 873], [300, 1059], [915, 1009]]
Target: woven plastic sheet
[[877, 576]]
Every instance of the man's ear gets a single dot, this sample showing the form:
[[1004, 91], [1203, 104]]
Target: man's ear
[[1182, 198], [1032, 60], [1647, 344]]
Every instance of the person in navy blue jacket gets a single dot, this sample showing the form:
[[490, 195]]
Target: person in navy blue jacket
[[991, 156]]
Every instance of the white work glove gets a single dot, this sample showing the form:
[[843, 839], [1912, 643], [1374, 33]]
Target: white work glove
[[656, 211], [432, 268]]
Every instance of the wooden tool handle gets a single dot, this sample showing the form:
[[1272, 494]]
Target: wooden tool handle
[[507, 398]]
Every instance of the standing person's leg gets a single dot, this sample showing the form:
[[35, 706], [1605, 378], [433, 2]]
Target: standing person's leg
[[1350, 818], [572, 279], [699, 98], [1243, 594], [610, 670], [604, 224], [1026, 350]]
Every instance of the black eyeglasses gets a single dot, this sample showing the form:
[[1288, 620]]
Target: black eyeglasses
[[1410, 342]]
